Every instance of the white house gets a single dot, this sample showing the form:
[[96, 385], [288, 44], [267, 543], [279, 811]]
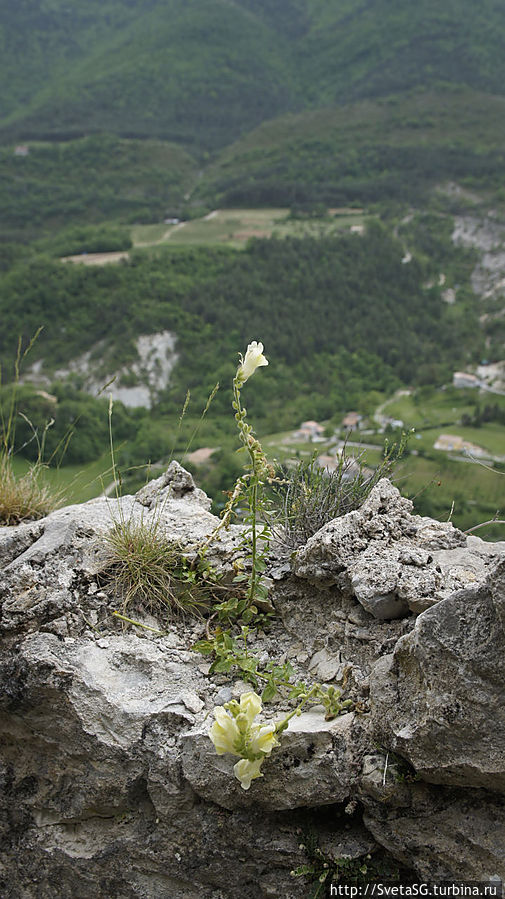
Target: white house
[[464, 379]]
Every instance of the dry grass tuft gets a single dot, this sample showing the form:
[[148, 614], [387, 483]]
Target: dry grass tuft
[[148, 571], [309, 496], [24, 498]]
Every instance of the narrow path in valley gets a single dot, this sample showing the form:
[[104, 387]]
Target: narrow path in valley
[[165, 236]]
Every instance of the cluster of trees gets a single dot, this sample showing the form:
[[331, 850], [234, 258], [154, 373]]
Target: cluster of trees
[[306, 174], [90, 180], [88, 239], [483, 414]]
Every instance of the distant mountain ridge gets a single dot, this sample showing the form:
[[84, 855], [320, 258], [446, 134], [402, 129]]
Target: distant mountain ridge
[[204, 73]]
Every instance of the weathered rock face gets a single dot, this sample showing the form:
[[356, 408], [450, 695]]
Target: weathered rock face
[[316, 765], [444, 834], [393, 562], [111, 787], [438, 700]]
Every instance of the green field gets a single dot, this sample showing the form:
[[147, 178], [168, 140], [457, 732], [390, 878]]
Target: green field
[[74, 483], [437, 478], [477, 493], [234, 227], [441, 414]]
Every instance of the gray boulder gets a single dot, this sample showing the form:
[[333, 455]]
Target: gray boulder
[[442, 833], [50, 568], [438, 699], [111, 787], [391, 561], [317, 764]]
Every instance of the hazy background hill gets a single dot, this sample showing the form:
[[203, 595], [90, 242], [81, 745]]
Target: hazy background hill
[[203, 73]]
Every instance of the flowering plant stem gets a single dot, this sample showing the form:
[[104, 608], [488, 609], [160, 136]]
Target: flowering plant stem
[[248, 484], [252, 446], [284, 723]]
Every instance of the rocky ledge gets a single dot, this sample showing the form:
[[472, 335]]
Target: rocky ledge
[[110, 785]]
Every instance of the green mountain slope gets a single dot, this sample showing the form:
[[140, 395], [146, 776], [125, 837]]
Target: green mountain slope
[[358, 48], [195, 73], [91, 179], [397, 146], [205, 72], [393, 148]]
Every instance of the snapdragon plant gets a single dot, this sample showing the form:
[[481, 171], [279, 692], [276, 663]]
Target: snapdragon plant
[[259, 470], [235, 732], [248, 486]]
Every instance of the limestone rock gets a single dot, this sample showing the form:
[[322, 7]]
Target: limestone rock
[[438, 699], [334, 634], [326, 666], [50, 567], [102, 744], [110, 786], [316, 764], [15, 539], [393, 562], [175, 484], [442, 834]]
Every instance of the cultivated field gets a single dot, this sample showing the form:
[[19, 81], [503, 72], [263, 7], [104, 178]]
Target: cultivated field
[[234, 227]]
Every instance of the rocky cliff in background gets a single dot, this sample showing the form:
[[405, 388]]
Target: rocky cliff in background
[[110, 785]]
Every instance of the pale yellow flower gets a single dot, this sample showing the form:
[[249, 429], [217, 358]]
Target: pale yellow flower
[[246, 771], [250, 705], [224, 733], [263, 739], [234, 731], [253, 359]]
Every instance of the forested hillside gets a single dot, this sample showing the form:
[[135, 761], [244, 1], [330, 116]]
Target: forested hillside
[[339, 316], [204, 72], [91, 179], [391, 149]]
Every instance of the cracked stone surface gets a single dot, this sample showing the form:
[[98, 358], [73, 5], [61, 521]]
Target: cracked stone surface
[[393, 562], [442, 689], [110, 785]]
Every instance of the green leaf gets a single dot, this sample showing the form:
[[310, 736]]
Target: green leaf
[[248, 664], [268, 693], [204, 647], [223, 666]]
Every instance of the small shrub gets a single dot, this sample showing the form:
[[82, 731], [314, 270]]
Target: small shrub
[[310, 496]]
